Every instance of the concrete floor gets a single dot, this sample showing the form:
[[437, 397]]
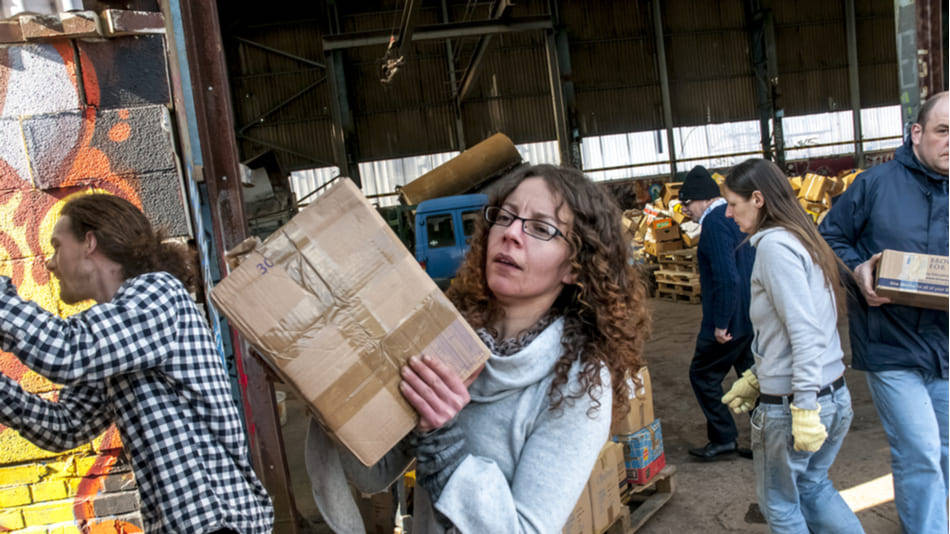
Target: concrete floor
[[710, 497]]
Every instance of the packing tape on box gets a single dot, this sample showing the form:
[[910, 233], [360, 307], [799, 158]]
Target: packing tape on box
[[360, 383]]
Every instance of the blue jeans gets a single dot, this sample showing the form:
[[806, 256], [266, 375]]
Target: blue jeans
[[794, 492], [913, 411]]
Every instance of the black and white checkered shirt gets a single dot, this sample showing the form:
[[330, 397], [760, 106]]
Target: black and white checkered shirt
[[147, 362]]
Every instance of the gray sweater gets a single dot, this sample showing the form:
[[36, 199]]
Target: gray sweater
[[796, 347], [526, 464]]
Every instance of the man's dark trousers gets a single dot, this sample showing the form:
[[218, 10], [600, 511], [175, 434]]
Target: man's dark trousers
[[711, 363]]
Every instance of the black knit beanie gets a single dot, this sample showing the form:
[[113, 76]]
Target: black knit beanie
[[698, 185]]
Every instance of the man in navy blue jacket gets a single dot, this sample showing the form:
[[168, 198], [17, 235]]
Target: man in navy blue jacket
[[725, 337], [902, 205]]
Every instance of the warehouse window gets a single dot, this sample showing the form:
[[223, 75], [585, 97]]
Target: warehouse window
[[647, 153], [440, 230]]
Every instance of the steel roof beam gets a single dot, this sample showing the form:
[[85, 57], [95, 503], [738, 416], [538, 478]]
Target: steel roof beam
[[437, 31], [279, 52], [471, 72]]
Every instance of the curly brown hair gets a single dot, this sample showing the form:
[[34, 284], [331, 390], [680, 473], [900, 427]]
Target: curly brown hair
[[605, 319]]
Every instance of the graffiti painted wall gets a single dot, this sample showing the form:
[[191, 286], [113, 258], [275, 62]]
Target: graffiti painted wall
[[76, 115]]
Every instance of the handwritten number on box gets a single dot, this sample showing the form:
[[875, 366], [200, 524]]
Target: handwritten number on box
[[264, 266]]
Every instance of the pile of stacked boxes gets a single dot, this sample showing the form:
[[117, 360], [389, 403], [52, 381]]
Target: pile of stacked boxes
[[815, 191], [632, 457], [663, 239]]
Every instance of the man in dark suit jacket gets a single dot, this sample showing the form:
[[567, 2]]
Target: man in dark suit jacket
[[725, 338]]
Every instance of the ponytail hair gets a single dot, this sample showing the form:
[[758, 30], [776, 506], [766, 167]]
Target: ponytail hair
[[125, 236]]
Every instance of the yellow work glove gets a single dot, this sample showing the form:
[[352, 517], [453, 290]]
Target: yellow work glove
[[741, 397], [807, 429]]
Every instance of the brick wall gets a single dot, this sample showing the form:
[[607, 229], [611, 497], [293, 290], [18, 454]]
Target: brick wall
[[83, 107]]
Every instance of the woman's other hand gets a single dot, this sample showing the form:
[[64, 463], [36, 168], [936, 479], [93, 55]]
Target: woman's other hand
[[436, 392]]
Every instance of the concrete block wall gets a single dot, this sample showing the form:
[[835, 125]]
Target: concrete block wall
[[77, 114]]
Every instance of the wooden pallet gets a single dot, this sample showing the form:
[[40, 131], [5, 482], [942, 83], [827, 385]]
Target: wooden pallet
[[644, 501], [676, 295], [680, 289], [684, 256], [677, 277], [681, 266], [680, 261]]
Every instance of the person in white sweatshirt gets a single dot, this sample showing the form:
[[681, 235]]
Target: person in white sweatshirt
[[547, 287], [804, 409]]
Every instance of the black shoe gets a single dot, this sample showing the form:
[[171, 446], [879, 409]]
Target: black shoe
[[714, 451], [744, 453]]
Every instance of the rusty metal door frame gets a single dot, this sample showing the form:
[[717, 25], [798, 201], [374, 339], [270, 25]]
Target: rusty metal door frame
[[204, 116]]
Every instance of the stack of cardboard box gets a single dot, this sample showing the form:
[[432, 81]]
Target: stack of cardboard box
[[633, 456], [599, 505], [815, 191], [640, 434], [662, 226]]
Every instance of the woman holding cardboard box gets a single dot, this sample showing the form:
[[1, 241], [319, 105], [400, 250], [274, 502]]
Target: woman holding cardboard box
[[805, 406], [548, 288]]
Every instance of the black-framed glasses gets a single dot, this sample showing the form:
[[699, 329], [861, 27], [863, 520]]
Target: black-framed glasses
[[535, 228]]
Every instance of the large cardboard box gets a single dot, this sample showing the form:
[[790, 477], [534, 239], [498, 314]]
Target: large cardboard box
[[814, 187], [604, 490], [336, 305], [641, 406], [913, 279], [643, 453], [580, 521]]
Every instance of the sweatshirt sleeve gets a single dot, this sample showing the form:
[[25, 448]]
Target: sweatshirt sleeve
[[81, 413], [725, 274], [844, 224], [553, 468], [127, 335], [785, 278]]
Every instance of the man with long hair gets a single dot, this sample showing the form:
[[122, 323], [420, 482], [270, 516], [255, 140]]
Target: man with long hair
[[725, 337], [141, 358], [902, 205]]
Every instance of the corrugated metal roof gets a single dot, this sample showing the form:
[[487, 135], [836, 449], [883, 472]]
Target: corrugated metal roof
[[813, 55], [708, 60]]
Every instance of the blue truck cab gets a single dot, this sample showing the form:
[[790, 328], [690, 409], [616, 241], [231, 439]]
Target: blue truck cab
[[444, 227]]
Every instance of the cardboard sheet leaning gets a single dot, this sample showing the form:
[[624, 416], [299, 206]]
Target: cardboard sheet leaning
[[337, 305]]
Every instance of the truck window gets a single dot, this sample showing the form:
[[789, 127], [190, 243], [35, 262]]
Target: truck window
[[440, 231], [469, 218]]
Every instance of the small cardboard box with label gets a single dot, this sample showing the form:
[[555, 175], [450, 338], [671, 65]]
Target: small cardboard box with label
[[643, 453], [913, 279], [336, 305]]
